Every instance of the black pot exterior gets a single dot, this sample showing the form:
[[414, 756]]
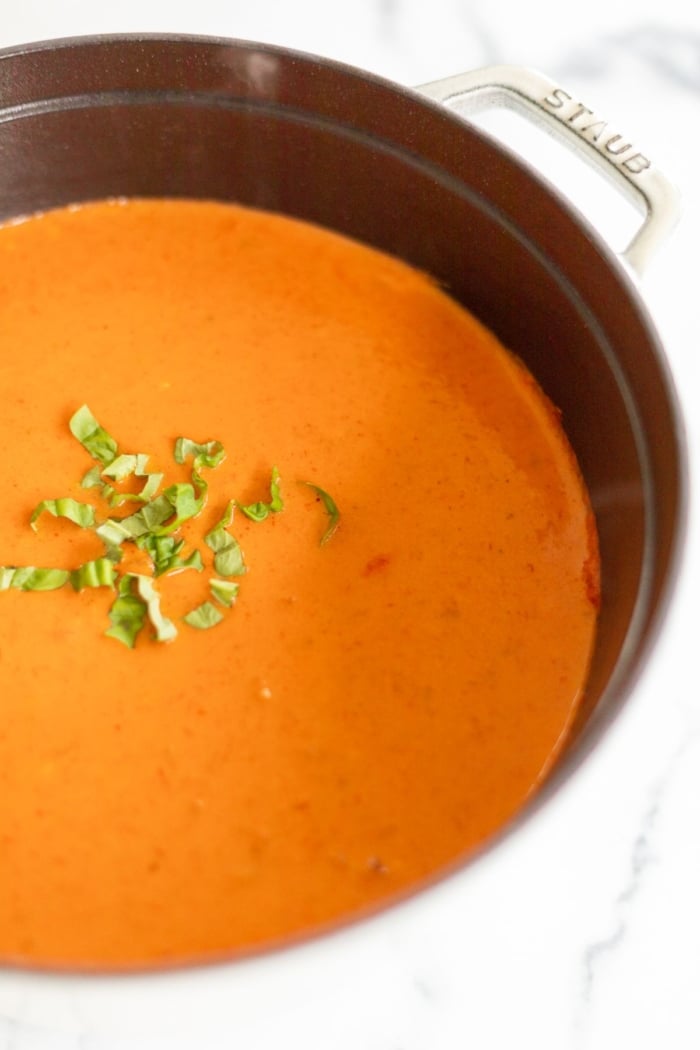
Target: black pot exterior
[[196, 117]]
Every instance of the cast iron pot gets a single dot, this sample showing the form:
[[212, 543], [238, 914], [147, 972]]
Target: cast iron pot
[[195, 117]]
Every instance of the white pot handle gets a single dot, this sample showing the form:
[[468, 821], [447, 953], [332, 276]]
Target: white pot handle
[[541, 100]]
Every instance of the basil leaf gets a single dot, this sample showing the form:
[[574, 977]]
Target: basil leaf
[[164, 629], [330, 508], [229, 562], [127, 614], [225, 520], [185, 503], [204, 616], [148, 491], [209, 454], [156, 517], [125, 465], [98, 573], [130, 611], [259, 511], [81, 514], [93, 479], [29, 578], [164, 552], [276, 501], [225, 591], [115, 531], [92, 436], [228, 556], [122, 467]]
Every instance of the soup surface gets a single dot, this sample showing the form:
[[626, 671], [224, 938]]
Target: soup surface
[[371, 708]]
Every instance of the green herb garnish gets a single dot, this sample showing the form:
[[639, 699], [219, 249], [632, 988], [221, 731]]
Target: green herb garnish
[[98, 573], [130, 611], [209, 454], [92, 436], [330, 508], [122, 467], [82, 514], [127, 615], [114, 465], [228, 556], [259, 511], [154, 528], [225, 591], [165, 551], [29, 578], [164, 630], [204, 616]]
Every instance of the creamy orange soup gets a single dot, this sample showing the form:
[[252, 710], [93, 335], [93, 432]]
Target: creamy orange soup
[[371, 708]]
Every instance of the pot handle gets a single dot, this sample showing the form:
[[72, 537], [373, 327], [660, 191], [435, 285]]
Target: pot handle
[[540, 99]]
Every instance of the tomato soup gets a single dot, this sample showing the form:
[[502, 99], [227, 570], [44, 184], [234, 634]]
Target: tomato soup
[[391, 668]]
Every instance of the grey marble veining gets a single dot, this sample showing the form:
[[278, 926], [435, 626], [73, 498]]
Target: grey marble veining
[[672, 52], [643, 854]]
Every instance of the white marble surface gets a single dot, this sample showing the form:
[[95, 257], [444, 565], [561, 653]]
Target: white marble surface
[[582, 932]]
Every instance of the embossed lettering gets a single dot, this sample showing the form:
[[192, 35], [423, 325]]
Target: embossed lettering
[[636, 163], [579, 113], [557, 99], [618, 149], [600, 125], [615, 145]]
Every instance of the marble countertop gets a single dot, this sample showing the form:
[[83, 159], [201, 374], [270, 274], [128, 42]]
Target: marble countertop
[[582, 932]]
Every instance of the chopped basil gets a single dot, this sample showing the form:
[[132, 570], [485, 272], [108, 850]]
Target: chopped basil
[[225, 591], [226, 518], [130, 611], [29, 578], [160, 517], [165, 551], [209, 454], [259, 511], [92, 436], [330, 508], [154, 529], [164, 630], [229, 561], [185, 504], [93, 479], [149, 489], [122, 467], [98, 573], [127, 614], [115, 531], [128, 465], [116, 498], [228, 556], [204, 616], [82, 514], [125, 465]]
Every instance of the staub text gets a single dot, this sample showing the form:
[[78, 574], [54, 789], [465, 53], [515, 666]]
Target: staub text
[[594, 129]]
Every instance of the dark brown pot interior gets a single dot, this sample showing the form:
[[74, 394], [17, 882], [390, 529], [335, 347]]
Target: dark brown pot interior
[[97, 118]]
